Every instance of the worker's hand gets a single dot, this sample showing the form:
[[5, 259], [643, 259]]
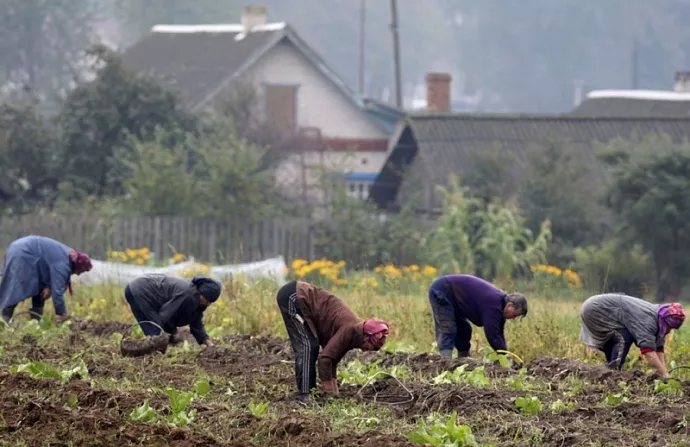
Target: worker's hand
[[46, 293], [208, 342], [175, 338], [330, 387]]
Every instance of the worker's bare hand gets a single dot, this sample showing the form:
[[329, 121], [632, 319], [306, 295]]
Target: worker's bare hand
[[46, 293], [208, 342]]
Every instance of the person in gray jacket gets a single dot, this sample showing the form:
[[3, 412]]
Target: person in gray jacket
[[172, 302], [612, 322]]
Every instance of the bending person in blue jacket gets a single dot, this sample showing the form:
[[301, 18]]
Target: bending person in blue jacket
[[39, 268], [457, 300], [172, 302]]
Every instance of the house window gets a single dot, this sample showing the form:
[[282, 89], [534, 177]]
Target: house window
[[281, 107]]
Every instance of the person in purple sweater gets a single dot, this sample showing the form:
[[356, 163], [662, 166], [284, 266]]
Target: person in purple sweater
[[457, 300]]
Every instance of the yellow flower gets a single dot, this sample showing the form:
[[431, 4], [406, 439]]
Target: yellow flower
[[429, 271], [298, 264]]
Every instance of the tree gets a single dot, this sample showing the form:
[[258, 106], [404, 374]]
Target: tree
[[42, 44], [29, 158], [159, 181], [491, 176], [488, 240], [560, 184], [651, 177], [101, 115]]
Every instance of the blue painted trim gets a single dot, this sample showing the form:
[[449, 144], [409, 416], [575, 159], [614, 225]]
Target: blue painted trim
[[361, 176]]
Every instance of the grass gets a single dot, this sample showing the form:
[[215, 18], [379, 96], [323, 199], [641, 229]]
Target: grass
[[550, 329]]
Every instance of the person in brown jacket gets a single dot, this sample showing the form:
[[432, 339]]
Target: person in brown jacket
[[313, 317]]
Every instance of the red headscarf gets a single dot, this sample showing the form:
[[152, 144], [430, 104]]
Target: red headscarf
[[81, 263], [376, 331]]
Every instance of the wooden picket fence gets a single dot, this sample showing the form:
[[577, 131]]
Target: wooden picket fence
[[215, 241]]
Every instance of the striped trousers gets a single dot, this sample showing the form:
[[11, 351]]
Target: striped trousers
[[305, 345]]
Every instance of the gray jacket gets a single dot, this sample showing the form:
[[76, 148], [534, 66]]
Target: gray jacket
[[602, 315]]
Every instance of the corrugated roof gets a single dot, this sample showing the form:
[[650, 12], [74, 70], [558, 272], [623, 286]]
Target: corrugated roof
[[197, 63], [435, 146]]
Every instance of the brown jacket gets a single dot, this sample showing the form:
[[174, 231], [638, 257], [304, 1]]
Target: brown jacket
[[336, 327]]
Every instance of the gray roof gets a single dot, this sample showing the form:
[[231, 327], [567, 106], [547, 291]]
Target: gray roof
[[436, 145], [197, 64], [198, 61], [632, 107]]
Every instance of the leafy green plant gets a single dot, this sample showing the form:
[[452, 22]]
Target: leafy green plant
[[41, 370], [520, 382], [619, 398], [202, 387], [460, 375], [448, 434], [670, 388], [145, 413], [559, 405], [491, 356], [358, 373], [179, 402], [529, 405], [258, 409]]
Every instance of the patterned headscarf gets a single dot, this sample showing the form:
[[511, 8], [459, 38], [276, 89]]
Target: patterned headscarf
[[376, 331], [671, 316]]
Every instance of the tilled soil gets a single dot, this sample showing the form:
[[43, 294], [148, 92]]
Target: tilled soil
[[38, 411]]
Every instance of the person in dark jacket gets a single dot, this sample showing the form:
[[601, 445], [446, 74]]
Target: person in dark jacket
[[39, 268], [457, 300], [613, 322], [313, 317], [172, 302]]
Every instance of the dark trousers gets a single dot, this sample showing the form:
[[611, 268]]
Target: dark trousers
[[37, 305], [305, 345], [617, 348], [452, 329], [149, 329]]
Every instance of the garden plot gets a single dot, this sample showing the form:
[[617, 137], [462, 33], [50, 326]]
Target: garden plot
[[68, 385]]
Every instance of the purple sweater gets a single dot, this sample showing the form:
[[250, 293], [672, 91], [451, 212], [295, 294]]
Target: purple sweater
[[482, 303]]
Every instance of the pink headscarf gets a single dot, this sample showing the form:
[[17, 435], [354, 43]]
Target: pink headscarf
[[671, 316], [376, 332]]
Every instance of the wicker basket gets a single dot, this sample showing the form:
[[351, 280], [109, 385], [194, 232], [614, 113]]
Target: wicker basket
[[144, 346]]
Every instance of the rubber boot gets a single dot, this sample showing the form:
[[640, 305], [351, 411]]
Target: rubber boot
[[463, 354], [7, 314], [446, 353], [36, 313]]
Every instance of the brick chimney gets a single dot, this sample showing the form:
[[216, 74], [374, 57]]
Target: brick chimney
[[682, 84], [438, 92], [253, 15]]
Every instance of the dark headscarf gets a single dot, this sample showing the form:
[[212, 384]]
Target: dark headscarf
[[209, 288]]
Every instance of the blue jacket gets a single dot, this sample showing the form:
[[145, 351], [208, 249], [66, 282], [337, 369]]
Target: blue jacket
[[33, 263]]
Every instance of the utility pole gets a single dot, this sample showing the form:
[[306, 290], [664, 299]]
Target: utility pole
[[634, 64], [396, 54], [362, 44]]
